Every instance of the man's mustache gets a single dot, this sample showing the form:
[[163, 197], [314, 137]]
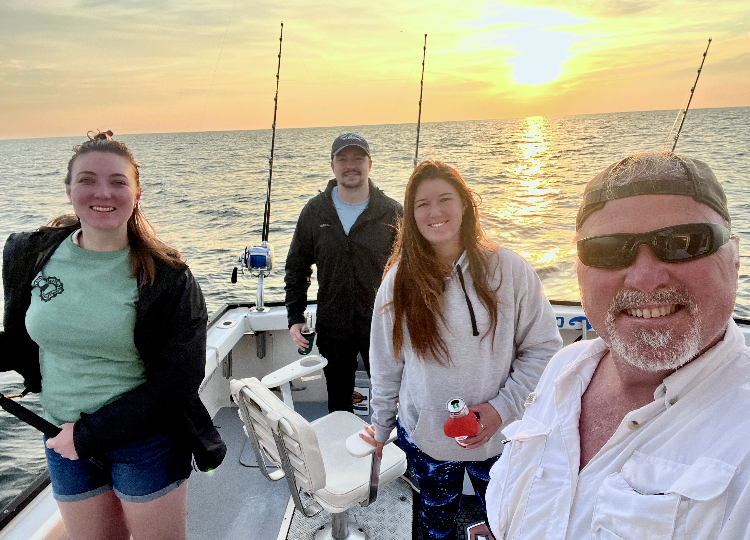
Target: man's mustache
[[630, 299]]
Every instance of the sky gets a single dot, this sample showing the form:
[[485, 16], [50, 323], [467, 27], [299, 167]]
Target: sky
[[155, 66]]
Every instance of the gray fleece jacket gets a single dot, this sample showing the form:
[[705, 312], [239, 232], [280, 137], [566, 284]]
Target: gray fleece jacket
[[502, 372]]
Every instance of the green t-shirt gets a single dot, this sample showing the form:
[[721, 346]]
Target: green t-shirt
[[82, 316]]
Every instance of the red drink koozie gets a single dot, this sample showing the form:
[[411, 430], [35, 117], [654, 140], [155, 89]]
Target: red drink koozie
[[460, 424], [465, 426]]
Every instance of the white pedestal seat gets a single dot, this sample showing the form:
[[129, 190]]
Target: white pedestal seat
[[314, 456]]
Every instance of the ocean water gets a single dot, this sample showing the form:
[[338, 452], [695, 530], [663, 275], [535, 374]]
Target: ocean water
[[205, 194]]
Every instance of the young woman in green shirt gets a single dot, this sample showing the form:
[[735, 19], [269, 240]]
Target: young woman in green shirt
[[110, 325]]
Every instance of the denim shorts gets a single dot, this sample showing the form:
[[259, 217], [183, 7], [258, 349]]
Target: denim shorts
[[141, 471]]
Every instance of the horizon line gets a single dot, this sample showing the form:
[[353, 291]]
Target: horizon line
[[373, 125]]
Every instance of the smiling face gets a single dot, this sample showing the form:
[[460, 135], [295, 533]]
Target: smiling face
[[657, 315], [351, 167], [438, 212], [104, 192]]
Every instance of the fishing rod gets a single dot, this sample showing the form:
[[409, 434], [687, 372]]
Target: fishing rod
[[34, 420], [267, 212], [259, 259], [27, 416], [421, 88], [692, 91]]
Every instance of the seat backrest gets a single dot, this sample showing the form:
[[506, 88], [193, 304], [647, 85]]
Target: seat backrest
[[265, 414]]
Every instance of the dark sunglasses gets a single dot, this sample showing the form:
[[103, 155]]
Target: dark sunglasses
[[679, 243]]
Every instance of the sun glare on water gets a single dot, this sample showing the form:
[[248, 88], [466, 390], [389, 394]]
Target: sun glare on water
[[530, 192]]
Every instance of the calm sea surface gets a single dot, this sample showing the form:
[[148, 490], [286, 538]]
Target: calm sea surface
[[205, 193]]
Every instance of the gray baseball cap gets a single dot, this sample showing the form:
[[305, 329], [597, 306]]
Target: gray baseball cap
[[700, 183]]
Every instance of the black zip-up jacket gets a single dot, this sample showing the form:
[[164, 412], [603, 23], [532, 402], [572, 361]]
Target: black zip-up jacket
[[350, 267], [170, 335]]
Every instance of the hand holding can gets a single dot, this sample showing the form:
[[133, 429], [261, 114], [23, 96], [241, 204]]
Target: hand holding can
[[309, 335], [308, 332], [460, 424]]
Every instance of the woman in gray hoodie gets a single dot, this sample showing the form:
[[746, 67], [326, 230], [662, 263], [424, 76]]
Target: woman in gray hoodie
[[455, 316]]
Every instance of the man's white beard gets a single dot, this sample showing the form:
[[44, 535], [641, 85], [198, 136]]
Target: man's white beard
[[654, 350]]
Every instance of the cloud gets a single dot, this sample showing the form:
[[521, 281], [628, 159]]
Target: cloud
[[617, 9], [155, 60]]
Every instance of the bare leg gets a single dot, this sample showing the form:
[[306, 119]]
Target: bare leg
[[161, 519], [95, 518]]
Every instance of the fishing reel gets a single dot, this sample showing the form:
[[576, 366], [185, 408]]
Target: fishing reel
[[258, 260]]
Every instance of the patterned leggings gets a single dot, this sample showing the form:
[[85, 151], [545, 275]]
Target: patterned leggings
[[441, 484]]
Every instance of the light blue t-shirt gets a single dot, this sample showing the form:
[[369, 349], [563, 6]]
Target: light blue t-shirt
[[348, 213], [82, 316]]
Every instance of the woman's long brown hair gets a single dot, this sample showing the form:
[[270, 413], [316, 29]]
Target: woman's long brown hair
[[145, 245], [419, 282]]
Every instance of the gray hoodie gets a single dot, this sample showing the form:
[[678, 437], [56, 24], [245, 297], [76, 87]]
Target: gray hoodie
[[502, 372]]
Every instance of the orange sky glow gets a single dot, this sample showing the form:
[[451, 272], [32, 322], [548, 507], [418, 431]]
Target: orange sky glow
[[152, 66]]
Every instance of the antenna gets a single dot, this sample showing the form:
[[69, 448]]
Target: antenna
[[692, 91], [421, 88]]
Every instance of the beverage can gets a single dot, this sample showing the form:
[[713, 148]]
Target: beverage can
[[309, 335], [460, 425], [308, 332], [457, 408]]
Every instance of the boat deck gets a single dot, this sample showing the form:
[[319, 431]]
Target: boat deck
[[236, 502]]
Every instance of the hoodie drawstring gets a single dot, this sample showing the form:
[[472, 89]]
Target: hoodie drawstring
[[474, 330]]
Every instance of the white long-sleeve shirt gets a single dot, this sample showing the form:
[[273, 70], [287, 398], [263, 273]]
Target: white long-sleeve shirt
[[679, 467]]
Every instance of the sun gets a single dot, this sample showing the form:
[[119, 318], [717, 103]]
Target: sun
[[540, 56]]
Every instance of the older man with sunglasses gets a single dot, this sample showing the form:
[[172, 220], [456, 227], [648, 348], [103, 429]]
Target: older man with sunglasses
[[643, 433]]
